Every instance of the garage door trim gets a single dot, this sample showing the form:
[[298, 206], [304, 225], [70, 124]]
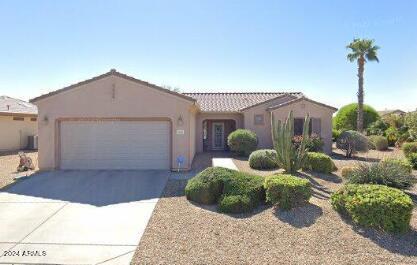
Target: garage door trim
[[58, 122]]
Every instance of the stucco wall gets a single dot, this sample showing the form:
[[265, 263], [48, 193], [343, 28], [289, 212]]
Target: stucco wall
[[301, 108], [237, 117], [14, 134], [262, 131], [131, 100]]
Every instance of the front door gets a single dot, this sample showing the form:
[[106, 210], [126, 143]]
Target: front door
[[218, 135]]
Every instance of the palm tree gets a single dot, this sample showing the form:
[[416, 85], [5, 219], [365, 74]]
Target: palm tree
[[362, 50]]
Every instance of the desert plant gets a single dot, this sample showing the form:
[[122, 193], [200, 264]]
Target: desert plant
[[378, 127], [389, 174], [346, 117], [397, 162], [289, 157], [263, 159], [347, 170], [287, 191], [377, 206], [392, 135], [352, 142], [378, 142], [412, 158], [361, 51], [242, 141], [409, 148], [313, 143], [319, 162]]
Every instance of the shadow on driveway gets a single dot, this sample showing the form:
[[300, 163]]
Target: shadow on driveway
[[95, 187]]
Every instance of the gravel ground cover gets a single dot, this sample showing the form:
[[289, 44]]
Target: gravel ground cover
[[181, 232], [8, 164]]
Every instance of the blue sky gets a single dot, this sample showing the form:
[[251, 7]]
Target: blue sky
[[212, 46]]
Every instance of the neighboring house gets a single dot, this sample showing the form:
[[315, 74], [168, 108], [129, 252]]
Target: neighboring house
[[17, 122], [391, 112], [114, 121]]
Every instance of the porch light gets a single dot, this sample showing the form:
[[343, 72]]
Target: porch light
[[180, 121], [45, 119]]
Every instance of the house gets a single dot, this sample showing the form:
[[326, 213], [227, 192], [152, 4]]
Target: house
[[17, 122], [115, 121], [386, 112]]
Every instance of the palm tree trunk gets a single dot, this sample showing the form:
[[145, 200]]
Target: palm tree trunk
[[361, 69]]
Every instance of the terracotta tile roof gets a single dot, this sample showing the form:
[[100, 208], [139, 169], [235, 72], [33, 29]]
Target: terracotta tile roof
[[234, 102], [289, 102], [10, 105]]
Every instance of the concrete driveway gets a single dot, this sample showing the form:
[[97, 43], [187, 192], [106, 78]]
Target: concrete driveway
[[77, 217]]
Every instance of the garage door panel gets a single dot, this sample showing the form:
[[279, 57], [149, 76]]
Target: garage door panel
[[115, 145]]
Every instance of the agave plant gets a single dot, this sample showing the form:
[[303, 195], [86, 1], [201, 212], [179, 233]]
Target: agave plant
[[289, 157]]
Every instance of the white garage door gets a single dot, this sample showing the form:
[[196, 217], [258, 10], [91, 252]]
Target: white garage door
[[115, 145]]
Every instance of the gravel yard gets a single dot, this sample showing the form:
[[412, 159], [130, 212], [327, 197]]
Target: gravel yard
[[181, 232], [8, 164]]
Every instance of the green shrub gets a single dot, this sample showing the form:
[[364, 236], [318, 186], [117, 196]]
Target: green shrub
[[243, 142], [335, 134], [235, 204], [346, 117], [352, 142], [385, 173], [207, 186], [216, 184], [412, 158], [347, 170], [377, 128], [409, 148], [313, 143], [287, 191], [263, 159], [392, 135], [245, 184], [375, 206], [378, 142], [319, 162], [397, 162]]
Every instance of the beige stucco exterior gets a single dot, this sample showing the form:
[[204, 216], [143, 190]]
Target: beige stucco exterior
[[301, 109], [117, 98], [14, 133]]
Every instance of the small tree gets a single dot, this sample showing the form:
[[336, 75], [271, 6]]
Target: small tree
[[352, 142], [289, 157]]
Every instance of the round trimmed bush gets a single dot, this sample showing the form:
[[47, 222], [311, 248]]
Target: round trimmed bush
[[236, 204], [346, 117], [263, 159], [378, 142], [346, 171], [216, 184], [287, 191], [243, 142], [319, 162], [352, 142], [377, 206], [207, 186], [409, 148]]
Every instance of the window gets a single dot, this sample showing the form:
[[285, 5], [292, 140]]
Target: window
[[18, 118], [259, 119], [33, 119], [299, 124]]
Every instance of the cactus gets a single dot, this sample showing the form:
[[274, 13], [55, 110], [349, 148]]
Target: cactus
[[289, 157]]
